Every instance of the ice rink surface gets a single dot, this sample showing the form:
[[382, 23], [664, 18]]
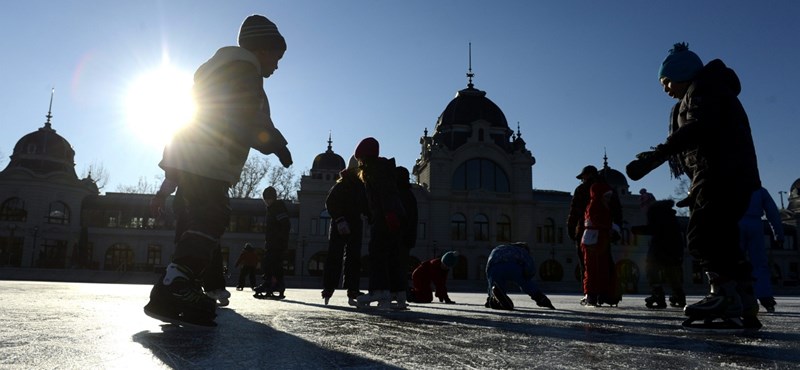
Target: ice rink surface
[[47, 325]]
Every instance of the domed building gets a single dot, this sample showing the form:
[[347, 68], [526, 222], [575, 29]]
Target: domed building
[[473, 181], [41, 200]]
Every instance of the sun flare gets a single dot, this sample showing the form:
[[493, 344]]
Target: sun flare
[[158, 103]]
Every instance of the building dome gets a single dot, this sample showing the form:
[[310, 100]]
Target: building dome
[[328, 161], [44, 151], [615, 179], [470, 105], [794, 196]]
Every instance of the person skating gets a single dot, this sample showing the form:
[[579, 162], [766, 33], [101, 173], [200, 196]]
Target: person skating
[[247, 264], [512, 264], [206, 157], [710, 141], [276, 242], [433, 271], [386, 215], [346, 204], [752, 241], [665, 254], [398, 284]]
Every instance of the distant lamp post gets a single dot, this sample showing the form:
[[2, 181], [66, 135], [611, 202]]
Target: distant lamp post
[[35, 233], [302, 256], [781, 193], [10, 245]]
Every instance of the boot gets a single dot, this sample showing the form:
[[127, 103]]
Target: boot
[[326, 295], [723, 301], [352, 296], [656, 298], [768, 303], [177, 298], [678, 298], [400, 297], [542, 300]]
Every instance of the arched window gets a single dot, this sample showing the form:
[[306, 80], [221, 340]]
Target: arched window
[[153, 255], [458, 227], [13, 209], [480, 173], [549, 233], [58, 214], [119, 257], [503, 229], [324, 222], [481, 227], [316, 264]]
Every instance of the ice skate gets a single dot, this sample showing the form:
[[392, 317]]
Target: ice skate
[[220, 295], [589, 300], [768, 303], [352, 296], [720, 311], [267, 290], [178, 299], [656, 300], [676, 300], [501, 299], [542, 301], [326, 295], [382, 297], [400, 301]]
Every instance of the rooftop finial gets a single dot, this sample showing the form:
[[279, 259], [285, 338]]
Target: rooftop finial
[[470, 75], [50, 109], [519, 134], [605, 158], [330, 147]]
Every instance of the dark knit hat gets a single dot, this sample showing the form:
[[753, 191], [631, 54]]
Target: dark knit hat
[[450, 259], [259, 33], [681, 64], [367, 148]]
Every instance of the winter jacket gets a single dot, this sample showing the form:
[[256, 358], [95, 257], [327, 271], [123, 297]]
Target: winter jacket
[[710, 137], [232, 116], [277, 225], [347, 198], [383, 200], [247, 259], [428, 272], [511, 253]]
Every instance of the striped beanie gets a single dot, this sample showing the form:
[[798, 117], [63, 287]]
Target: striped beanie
[[259, 33], [681, 64]]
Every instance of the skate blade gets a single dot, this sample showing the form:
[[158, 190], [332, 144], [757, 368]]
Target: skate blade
[[177, 322], [715, 326]]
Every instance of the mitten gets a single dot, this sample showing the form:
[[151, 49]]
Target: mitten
[[342, 226], [644, 163]]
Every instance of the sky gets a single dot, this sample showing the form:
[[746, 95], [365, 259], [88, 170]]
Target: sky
[[578, 77]]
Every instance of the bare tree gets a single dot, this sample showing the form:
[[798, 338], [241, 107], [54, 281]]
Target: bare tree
[[681, 192], [143, 187], [253, 173], [97, 172], [285, 182]]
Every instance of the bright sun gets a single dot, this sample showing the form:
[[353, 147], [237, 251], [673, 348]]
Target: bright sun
[[158, 103]]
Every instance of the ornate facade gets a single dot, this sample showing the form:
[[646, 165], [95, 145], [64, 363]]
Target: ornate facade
[[474, 178]]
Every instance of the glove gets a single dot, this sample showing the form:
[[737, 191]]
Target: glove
[[615, 233], [158, 204], [284, 156], [392, 222], [685, 202], [644, 163], [446, 300], [342, 226]]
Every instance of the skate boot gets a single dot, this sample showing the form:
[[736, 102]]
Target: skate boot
[[220, 295], [768, 303], [268, 290], [178, 299], [352, 296], [326, 295], [542, 300], [501, 299], [400, 298], [720, 310], [590, 300], [239, 289], [678, 298], [656, 299], [381, 296], [749, 306]]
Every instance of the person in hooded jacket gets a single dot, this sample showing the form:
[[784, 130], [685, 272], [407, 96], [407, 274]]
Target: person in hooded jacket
[[205, 158], [433, 271], [710, 141], [346, 204]]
